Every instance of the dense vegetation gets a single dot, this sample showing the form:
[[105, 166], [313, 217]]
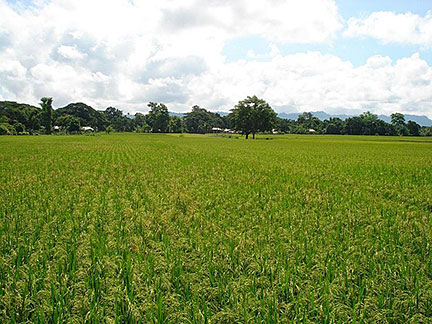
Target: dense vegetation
[[25, 119], [253, 115], [197, 229]]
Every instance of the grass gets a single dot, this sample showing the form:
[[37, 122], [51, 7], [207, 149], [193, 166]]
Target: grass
[[197, 229]]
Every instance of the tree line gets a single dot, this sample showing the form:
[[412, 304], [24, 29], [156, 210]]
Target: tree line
[[249, 117], [366, 123]]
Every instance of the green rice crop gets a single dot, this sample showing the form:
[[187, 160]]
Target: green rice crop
[[130, 228]]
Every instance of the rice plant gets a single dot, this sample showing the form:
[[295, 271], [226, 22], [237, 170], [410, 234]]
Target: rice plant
[[198, 229]]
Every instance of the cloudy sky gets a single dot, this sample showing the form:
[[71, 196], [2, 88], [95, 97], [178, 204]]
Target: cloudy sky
[[340, 56]]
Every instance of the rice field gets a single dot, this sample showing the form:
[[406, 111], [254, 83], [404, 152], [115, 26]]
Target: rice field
[[129, 228]]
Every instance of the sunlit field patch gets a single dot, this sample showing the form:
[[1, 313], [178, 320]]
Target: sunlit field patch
[[201, 229]]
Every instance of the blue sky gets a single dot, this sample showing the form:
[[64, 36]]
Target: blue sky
[[355, 50], [350, 8], [358, 51], [339, 56]]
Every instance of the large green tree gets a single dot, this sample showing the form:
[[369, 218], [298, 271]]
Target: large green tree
[[252, 115], [370, 123], [139, 120], [175, 125], [333, 126], [47, 114], [354, 126], [71, 124], [413, 128], [284, 125], [200, 120], [398, 119], [398, 122], [308, 121], [140, 123], [158, 117], [119, 122]]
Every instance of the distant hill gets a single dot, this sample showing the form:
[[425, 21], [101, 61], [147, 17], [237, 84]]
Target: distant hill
[[421, 120], [87, 115], [16, 105], [19, 112]]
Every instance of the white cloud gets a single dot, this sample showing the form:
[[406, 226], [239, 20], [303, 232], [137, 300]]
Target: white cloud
[[70, 52], [12, 69], [125, 53], [290, 21], [61, 45], [305, 21], [313, 81], [389, 27]]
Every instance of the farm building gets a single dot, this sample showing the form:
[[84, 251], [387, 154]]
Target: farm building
[[87, 129]]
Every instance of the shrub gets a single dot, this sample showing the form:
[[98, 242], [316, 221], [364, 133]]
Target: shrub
[[6, 129]]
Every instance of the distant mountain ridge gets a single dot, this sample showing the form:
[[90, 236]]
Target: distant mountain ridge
[[181, 115]]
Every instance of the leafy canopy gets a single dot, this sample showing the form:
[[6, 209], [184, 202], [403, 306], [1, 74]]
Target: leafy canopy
[[47, 113], [252, 115], [158, 117], [200, 120]]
